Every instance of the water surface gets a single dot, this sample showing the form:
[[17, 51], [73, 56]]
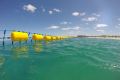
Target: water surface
[[70, 59]]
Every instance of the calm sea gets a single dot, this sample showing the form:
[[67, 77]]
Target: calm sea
[[69, 59]]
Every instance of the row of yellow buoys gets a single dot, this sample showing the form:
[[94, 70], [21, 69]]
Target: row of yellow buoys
[[23, 36]]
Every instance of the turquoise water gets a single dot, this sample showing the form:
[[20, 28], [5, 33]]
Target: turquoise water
[[70, 59]]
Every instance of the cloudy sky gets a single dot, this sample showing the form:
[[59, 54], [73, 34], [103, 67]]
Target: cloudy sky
[[61, 17]]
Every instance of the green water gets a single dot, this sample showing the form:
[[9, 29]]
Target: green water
[[71, 59]]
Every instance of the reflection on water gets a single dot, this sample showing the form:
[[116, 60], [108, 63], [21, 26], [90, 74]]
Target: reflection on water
[[19, 51], [46, 42], [25, 50], [37, 47], [2, 60]]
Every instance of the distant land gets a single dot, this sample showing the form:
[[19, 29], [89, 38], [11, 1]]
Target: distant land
[[101, 36], [115, 36]]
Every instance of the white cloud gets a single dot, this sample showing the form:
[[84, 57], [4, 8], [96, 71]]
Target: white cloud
[[30, 8], [67, 28], [78, 14], [57, 10], [71, 28], [100, 30], [95, 14], [86, 23], [65, 23], [117, 26], [53, 27], [90, 19], [73, 33], [43, 9], [76, 28], [118, 19], [75, 13], [101, 25], [82, 14], [50, 12]]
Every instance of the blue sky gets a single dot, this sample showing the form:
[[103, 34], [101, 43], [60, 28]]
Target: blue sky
[[61, 17]]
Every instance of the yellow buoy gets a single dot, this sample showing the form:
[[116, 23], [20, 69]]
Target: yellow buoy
[[54, 38], [37, 37], [59, 37], [47, 38], [19, 36], [24, 36]]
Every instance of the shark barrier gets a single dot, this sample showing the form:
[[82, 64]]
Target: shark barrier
[[21, 36]]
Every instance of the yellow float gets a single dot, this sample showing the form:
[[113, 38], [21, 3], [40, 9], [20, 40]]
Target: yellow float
[[37, 37], [19, 36], [54, 37], [59, 37], [47, 38]]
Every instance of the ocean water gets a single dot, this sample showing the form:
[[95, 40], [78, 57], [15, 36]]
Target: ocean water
[[69, 59]]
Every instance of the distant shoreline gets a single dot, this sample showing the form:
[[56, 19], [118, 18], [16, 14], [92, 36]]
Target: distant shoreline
[[105, 38], [115, 37]]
